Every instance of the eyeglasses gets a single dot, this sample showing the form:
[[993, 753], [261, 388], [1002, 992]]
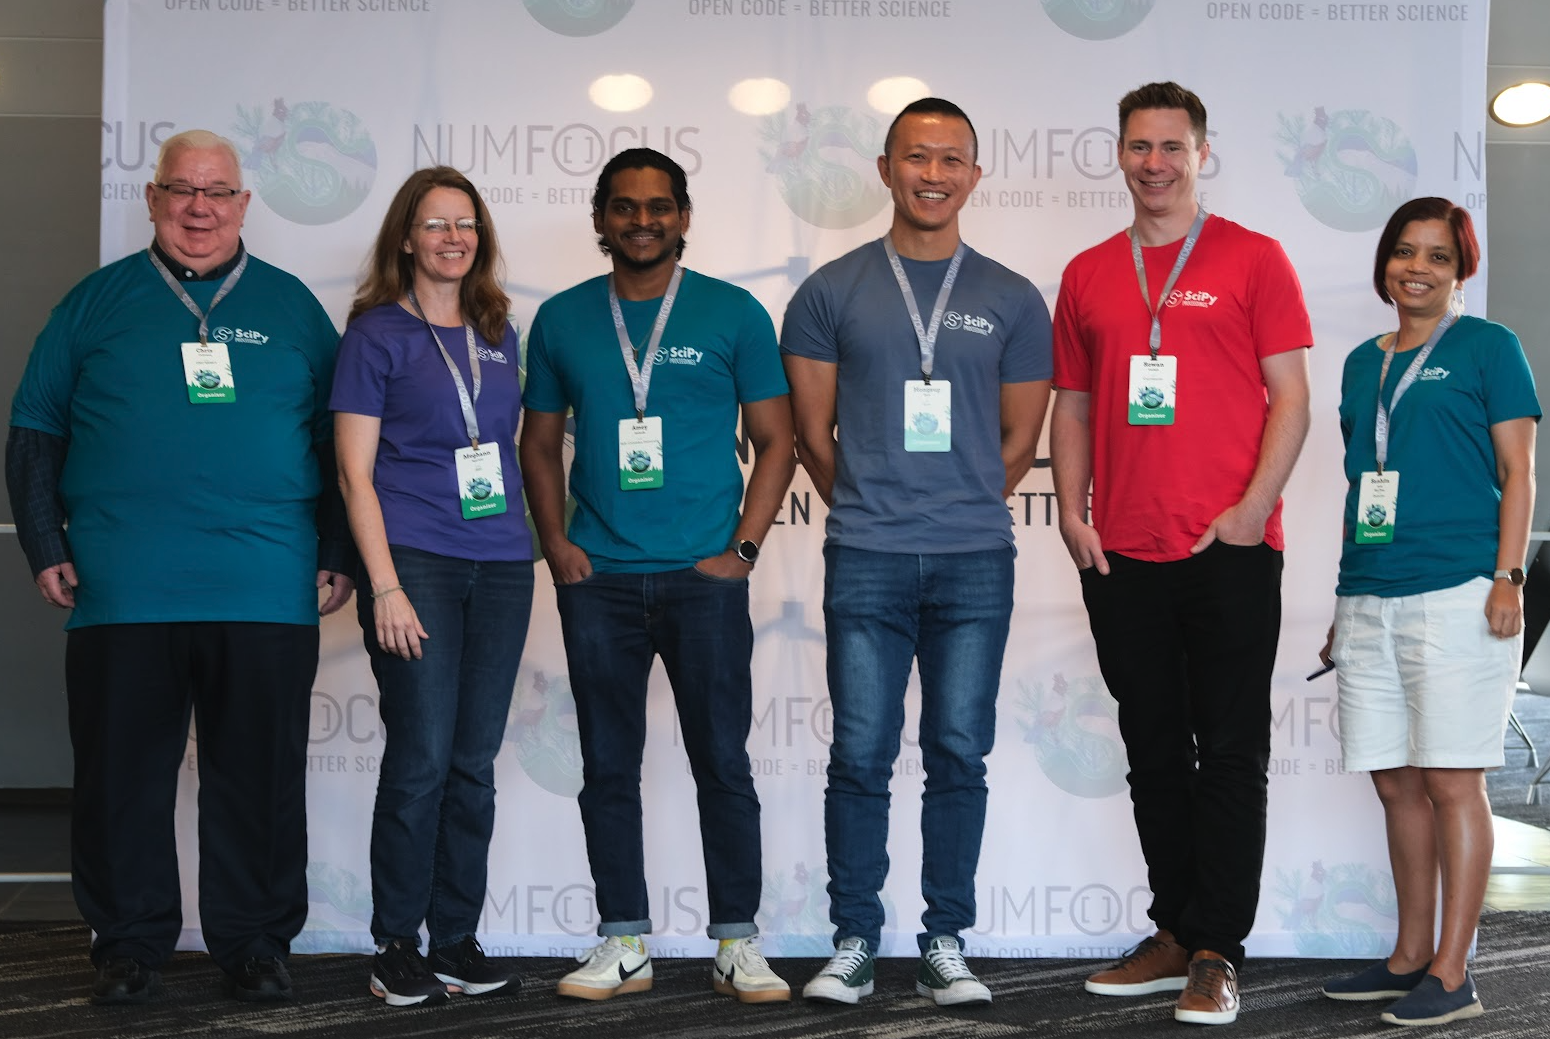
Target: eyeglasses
[[467, 225], [186, 192]]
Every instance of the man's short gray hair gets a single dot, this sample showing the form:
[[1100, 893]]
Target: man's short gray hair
[[199, 140]]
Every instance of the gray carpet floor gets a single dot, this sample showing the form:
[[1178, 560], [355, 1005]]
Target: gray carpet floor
[[44, 977], [1508, 785]]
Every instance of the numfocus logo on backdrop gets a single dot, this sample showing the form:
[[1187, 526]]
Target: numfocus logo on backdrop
[[793, 912], [824, 161], [310, 162], [1352, 167], [578, 17], [338, 902], [1348, 910], [1097, 19], [1074, 730], [542, 728]]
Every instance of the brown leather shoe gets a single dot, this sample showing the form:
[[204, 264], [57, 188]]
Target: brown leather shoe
[[1158, 964], [1211, 997]]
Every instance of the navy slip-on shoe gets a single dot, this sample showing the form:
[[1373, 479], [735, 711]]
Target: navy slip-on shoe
[[1431, 1004], [1376, 982]]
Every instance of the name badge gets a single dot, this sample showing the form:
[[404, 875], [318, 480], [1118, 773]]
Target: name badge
[[640, 453], [480, 486], [1152, 387], [1377, 499], [928, 415], [207, 373]]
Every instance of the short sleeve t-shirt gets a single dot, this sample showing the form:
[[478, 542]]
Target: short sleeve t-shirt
[[1447, 523], [1155, 489], [717, 353], [390, 368], [996, 330]]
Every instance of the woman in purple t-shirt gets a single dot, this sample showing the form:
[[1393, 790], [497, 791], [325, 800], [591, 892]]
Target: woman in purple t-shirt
[[426, 401]]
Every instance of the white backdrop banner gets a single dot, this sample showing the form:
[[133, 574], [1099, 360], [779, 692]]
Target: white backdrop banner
[[777, 110]]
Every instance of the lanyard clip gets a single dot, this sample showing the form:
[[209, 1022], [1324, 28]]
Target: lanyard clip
[[640, 415]]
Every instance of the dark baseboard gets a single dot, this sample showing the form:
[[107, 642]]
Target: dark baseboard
[[36, 797]]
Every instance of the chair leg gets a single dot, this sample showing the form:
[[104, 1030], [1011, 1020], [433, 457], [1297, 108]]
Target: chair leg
[[1517, 727], [1532, 797]]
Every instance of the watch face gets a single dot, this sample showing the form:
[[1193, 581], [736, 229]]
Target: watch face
[[748, 552]]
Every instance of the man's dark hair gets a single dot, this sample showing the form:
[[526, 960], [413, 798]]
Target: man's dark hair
[[1164, 95], [931, 106], [641, 159]]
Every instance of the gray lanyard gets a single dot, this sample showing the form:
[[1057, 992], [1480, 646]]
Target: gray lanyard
[[470, 420], [1155, 340], [924, 335], [1381, 428], [188, 301], [640, 376]]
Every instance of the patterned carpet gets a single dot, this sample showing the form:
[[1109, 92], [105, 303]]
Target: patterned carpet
[[44, 977]]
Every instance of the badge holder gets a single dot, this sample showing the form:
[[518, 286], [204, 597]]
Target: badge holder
[[1377, 500], [481, 486], [640, 453], [928, 415], [207, 374], [1153, 385]]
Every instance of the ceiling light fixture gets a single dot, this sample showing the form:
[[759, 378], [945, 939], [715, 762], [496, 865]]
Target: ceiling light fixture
[[1522, 104]]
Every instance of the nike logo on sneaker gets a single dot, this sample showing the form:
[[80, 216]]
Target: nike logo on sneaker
[[626, 975]]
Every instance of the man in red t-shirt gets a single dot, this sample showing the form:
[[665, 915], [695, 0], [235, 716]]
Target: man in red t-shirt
[[1182, 401]]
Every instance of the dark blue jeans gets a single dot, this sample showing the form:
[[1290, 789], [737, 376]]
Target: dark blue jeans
[[614, 624], [883, 611], [443, 717], [1187, 649]]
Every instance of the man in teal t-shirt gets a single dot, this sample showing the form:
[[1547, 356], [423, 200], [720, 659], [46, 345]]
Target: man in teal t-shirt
[[174, 412], [656, 363]]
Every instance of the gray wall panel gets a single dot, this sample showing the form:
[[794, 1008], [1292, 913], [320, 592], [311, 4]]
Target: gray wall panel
[[56, 19], [51, 138]]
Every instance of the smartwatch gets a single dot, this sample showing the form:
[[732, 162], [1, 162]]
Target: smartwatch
[[748, 551], [1515, 575]]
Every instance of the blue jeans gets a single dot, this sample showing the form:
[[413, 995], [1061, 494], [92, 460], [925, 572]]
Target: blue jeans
[[443, 717], [613, 625], [882, 610]]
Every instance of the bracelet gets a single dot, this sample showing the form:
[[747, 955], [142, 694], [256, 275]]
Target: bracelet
[[387, 591]]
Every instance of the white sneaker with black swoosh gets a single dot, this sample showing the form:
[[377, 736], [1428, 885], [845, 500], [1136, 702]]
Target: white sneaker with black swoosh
[[741, 971], [617, 966]]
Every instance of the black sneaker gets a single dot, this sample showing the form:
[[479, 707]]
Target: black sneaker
[[261, 979], [124, 979], [465, 968], [399, 976]]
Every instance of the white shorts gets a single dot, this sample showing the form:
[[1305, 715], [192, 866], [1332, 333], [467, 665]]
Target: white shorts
[[1422, 680]]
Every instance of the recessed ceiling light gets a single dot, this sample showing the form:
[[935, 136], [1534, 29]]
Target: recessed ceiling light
[[1523, 104]]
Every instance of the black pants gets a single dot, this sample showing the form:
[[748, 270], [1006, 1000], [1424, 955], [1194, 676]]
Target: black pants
[[1187, 649], [131, 689]]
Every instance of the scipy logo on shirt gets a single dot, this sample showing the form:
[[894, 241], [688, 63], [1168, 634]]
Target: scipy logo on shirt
[[223, 334], [1190, 298], [679, 355], [1435, 374], [486, 354], [953, 320]]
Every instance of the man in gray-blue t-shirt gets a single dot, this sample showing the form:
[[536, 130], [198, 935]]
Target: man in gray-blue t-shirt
[[934, 364]]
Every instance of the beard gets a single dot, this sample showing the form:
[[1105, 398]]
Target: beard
[[667, 254]]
